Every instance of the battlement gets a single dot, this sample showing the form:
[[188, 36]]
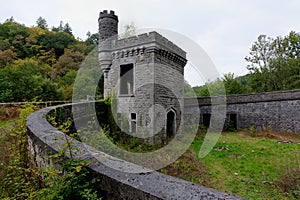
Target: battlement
[[105, 14], [146, 39]]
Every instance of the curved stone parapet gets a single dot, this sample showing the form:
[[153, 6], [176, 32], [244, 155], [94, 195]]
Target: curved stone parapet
[[44, 140]]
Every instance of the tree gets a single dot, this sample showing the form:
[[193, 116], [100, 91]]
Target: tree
[[130, 30], [57, 41], [15, 35], [261, 54], [6, 88], [6, 57], [214, 88], [233, 85], [82, 47], [68, 61], [11, 19], [63, 28], [273, 61], [23, 81], [201, 91], [42, 23], [47, 56], [67, 29], [93, 39], [60, 28]]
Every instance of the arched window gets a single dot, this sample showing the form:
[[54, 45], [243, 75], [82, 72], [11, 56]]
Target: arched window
[[171, 123]]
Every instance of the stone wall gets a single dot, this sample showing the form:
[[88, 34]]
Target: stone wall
[[45, 140], [157, 84], [278, 111]]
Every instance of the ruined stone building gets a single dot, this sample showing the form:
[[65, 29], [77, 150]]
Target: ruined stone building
[[145, 73]]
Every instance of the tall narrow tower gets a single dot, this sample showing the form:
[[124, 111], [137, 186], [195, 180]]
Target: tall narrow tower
[[108, 25], [108, 31]]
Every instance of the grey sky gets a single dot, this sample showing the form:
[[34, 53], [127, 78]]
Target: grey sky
[[225, 29]]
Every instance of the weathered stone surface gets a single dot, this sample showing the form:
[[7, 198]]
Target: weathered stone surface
[[157, 83], [45, 140], [278, 111]]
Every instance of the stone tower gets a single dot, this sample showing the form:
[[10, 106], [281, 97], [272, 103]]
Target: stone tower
[[108, 31], [146, 75], [108, 25]]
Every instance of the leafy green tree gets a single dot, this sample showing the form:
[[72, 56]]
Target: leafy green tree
[[25, 82], [93, 39], [4, 43], [201, 91], [66, 84], [67, 29], [274, 63], [15, 35], [38, 63], [6, 88], [233, 85], [82, 47], [214, 88], [68, 61], [6, 57], [60, 28], [57, 41], [69, 78], [42, 23], [47, 57]]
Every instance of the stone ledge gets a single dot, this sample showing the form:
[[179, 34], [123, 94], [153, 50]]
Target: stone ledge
[[45, 140], [246, 98], [147, 38]]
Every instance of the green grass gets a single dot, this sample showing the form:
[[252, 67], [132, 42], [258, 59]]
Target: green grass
[[251, 166], [4, 124]]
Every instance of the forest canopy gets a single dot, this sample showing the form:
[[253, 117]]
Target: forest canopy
[[37, 63]]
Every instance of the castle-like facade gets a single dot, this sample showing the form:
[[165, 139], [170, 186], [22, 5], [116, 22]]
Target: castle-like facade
[[145, 73]]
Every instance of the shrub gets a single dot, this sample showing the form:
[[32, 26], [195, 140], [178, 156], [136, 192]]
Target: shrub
[[289, 182], [22, 180]]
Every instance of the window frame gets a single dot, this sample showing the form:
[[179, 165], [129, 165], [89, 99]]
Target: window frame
[[120, 81]]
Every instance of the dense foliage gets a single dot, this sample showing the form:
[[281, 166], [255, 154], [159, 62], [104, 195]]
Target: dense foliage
[[38, 63], [20, 179]]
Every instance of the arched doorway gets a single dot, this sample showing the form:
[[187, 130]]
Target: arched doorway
[[171, 124]]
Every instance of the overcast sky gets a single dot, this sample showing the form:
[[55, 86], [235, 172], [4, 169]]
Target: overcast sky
[[225, 29]]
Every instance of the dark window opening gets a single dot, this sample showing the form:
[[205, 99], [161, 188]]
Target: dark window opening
[[133, 116], [206, 120], [126, 79], [171, 129], [232, 121], [133, 123]]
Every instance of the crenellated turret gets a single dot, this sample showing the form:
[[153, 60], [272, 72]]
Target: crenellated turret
[[108, 32], [108, 25]]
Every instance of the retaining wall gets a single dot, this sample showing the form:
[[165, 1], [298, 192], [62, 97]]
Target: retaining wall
[[278, 111], [45, 140]]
